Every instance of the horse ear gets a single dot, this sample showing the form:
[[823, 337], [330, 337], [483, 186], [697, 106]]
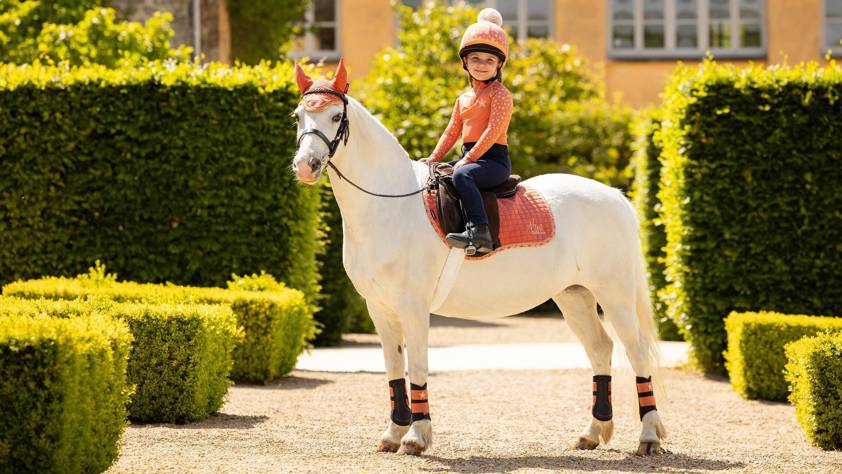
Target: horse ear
[[303, 80], [340, 79]]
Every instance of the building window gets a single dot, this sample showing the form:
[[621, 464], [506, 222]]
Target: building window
[[321, 31], [652, 29], [833, 26], [525, 18], [521, 18]]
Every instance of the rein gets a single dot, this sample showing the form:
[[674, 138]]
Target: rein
[[342, 136]]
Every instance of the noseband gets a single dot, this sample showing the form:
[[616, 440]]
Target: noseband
[[342, 136]]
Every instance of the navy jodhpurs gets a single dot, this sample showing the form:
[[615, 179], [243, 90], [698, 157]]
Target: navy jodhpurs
[[491, 169]]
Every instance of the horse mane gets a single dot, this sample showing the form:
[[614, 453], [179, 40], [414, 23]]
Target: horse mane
[[372, 130]]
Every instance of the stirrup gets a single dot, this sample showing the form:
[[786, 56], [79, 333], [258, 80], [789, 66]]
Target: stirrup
[[472, 249]]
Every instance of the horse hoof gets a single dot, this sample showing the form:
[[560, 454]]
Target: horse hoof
[[585, 443], [411, 448], [648, 448], [387, 446]]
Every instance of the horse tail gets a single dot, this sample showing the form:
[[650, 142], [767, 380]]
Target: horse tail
[[643, 303], [645, 315]]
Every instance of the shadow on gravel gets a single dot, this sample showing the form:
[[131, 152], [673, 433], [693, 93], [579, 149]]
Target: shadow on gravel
[[288, 382], [632, 463], [224, 421]]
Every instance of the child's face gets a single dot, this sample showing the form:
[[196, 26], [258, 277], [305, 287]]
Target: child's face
[[482, 66]]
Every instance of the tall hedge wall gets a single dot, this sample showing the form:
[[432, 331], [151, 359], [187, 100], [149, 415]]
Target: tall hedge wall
[[169, 173], [751, 196], [647, 172]]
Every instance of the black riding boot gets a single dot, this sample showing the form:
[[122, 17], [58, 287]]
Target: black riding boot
[[475, 239]]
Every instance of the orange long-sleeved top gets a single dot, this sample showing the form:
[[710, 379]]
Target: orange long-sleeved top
[[481, 115]]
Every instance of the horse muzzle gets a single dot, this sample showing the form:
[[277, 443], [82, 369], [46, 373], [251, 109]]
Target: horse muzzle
[[308, 169]]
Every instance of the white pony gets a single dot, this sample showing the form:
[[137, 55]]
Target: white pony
[[404, 271]]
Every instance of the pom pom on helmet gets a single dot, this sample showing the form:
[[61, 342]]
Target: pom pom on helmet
[[490, 15]]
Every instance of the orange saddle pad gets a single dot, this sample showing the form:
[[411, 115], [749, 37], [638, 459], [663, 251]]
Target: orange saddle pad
[[525, 219]]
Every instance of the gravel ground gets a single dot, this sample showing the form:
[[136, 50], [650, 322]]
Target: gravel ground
[[329, 422], [483, 421]]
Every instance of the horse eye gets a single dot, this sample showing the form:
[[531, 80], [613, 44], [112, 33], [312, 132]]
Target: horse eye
[[337, 117]]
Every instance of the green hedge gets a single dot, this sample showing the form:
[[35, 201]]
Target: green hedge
[[63, 392], [180, 359], [750, 191], [277, 324], [647, 172], [814, 372], [171, 172], [755, 357]]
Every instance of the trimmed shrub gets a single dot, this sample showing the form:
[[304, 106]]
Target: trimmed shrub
[[181, 355], [171, 172], [63, 392], [276, 325], [750, 192], [814, 372], [755, 357], [647, 171]]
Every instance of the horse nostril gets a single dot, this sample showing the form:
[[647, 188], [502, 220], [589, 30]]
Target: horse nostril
[[315, 164]]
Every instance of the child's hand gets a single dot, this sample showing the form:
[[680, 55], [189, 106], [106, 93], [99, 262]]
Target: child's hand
[[460, 164], [426, 160]]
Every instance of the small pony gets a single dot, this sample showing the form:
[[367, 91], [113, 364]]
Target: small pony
[[398, 263]]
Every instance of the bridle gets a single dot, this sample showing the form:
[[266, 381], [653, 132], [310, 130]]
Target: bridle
[[344, 128], [342, 136]]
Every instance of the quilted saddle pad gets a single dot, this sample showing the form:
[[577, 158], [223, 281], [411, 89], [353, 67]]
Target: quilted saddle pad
[[525, 220]]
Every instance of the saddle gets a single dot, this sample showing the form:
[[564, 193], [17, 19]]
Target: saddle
[[449, 211]]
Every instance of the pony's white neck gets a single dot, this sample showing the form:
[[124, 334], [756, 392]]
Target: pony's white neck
[[375, 161]]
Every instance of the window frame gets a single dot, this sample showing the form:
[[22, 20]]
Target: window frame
[[521, 29], [836, 50], [310, 39], [670, 51]]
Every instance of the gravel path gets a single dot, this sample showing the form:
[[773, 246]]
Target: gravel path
[[483, 421], [499, 422]]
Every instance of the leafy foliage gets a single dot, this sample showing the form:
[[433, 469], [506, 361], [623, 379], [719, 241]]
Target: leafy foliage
[[560, 122], [262, 29], [755, 357], [63, 390], [750, 189], [66, 31], [814, 372]]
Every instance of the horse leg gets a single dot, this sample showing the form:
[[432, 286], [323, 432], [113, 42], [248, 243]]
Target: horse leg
[[578, 306], [420, 435], [621, 311], [391, 339]]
